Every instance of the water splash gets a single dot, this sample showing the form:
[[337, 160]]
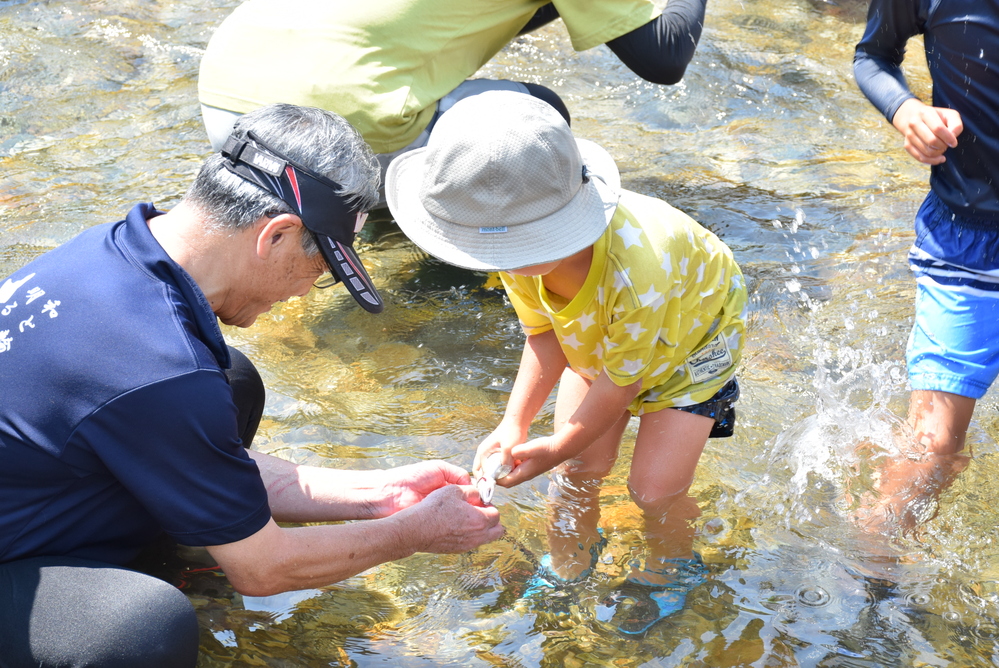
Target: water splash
[[816, 470]]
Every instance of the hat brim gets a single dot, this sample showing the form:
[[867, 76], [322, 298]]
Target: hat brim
[[567, 231], [346, 266]]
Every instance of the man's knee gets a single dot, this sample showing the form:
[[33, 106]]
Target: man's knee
[[83, 613], [247, 392], [551, 97]]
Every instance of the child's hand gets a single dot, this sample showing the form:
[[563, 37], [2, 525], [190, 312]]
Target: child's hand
[[928, 131], [503, 438], [533, 458]]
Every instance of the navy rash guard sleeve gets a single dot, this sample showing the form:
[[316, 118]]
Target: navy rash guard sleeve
[[660, 50], [877, 62]]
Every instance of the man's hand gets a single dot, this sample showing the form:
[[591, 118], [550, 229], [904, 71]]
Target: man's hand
[[406, 486], [451, 520], [928, 131]]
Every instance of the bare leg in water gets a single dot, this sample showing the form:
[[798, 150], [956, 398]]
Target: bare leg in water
[[910, 484]]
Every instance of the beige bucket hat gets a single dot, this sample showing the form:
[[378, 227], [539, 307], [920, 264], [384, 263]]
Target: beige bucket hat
[[502, 184]]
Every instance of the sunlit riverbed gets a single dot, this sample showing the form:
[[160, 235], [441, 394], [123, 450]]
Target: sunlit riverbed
[[768, 142]]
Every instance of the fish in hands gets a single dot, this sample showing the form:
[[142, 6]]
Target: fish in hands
[[492, 470]]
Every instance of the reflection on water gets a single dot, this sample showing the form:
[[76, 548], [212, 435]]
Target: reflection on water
[[768, 143]]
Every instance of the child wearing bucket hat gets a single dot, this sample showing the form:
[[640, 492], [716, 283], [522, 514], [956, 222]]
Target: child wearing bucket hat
[[629, 306]]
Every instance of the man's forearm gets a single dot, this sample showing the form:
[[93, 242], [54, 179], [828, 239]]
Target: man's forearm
[[314, 494], [286, 559]]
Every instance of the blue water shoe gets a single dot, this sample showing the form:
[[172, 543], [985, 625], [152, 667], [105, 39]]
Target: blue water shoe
[[636, 607]]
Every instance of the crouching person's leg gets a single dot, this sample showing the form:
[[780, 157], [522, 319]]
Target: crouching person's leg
[[60, 611]]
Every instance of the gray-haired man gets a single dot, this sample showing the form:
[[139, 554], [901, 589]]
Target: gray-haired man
[[125, 414]]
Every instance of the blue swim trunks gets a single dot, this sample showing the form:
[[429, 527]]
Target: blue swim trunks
[[954, 344]]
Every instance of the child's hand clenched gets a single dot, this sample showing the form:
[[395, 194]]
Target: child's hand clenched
[[533, 458]]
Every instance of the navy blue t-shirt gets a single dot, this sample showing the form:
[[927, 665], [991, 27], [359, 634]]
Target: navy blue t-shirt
[[961, 38], [116, 419]]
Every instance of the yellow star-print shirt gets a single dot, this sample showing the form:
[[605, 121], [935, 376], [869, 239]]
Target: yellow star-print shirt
[[662, 303]]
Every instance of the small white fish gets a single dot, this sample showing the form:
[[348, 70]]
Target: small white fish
[[492, 469]]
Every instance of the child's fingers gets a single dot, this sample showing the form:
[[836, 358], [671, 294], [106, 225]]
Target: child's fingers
[[531, 459], [524, 471], [953, 125], [929, 133], [919, 150]]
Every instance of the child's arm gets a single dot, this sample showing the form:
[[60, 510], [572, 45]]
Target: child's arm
[[877, 66], [603, 405], [541, 366]]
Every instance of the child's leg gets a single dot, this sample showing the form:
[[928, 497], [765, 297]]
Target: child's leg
[[575, 489], [667, 450], [910, 485]]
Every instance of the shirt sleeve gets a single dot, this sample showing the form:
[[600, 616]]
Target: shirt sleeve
[[174, 446], [594, 22], [660, 50], [522, 292], [877, 62]]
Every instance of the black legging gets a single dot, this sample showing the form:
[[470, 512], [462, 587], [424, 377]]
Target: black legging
[[63, 611]]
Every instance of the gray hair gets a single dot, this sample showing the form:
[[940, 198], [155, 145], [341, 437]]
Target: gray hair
[[314, 138]]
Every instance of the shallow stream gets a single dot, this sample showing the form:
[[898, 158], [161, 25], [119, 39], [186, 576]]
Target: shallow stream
[[769, 143]]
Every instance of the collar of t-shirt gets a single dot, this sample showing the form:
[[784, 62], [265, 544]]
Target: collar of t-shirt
[[137, 242]]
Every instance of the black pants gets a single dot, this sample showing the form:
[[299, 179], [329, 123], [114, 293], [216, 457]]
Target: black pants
[[62, 611]]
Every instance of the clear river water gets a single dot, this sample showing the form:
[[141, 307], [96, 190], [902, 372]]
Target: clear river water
[[768, 142]]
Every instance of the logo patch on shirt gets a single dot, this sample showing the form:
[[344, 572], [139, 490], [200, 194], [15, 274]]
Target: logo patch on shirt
[[492, 230], [709, 361]]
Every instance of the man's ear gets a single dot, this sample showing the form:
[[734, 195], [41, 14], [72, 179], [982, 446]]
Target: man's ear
[[274, 232]]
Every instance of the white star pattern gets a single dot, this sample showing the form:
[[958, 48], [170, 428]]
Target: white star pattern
[[586, 321], [598, 350], [683, 266], [632, 367], [571, 341], [700, 272], [667, 264], [600, 295], [621, 279], [590, 372], [663, 368], [664, 337], [635, 329], [737, 282], [652, 298], [734, 341], [694, 325], [630, 235], [685, 400], [705, 293]]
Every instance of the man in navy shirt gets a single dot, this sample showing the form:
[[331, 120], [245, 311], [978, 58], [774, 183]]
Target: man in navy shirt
[[125, 415], [953, 351]]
